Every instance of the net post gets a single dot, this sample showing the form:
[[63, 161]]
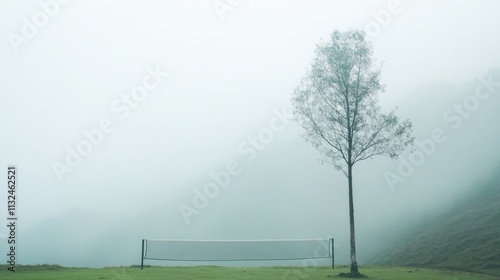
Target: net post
[[142, 255], [333, 254]]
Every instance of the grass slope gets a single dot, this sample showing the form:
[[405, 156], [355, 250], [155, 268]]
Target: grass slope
[[465, 238], [228, 273]]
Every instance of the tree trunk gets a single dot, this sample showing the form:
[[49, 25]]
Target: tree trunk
[[354, 263]]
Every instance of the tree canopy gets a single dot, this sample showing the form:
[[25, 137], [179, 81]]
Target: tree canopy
[[337, 104]]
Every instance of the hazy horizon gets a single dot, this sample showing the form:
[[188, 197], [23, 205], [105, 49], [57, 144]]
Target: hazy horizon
[[212, 94]]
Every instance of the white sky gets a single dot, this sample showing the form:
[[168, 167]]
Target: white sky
[[225, 79]]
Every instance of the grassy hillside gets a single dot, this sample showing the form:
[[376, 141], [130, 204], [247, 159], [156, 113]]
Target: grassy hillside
[[467, 237], [229, 273]]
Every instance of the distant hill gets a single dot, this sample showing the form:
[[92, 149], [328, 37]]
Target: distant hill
[[467, 237]]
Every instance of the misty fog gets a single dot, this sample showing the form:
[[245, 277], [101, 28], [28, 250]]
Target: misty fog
[[213, 85]]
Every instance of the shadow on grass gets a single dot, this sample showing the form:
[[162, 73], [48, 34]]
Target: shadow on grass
[[352, 275]]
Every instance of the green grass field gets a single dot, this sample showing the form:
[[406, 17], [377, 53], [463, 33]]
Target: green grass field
[[228, 273]]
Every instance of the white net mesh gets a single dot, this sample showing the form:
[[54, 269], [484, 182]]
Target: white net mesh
[[187, 250]]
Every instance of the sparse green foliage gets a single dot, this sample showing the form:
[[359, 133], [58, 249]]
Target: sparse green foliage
[[337, 104]]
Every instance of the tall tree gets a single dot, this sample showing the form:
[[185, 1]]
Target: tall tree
[[337, 105]]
